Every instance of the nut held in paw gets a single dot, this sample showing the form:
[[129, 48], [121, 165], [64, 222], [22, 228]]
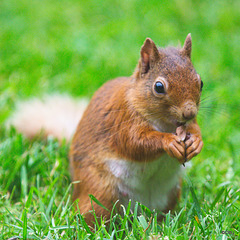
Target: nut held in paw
[[181, 132]]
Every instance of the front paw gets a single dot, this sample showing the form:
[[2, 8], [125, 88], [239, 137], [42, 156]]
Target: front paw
[[174, 147], [193, 146]]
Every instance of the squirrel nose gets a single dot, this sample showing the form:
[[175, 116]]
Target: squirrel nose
[[189, 111]]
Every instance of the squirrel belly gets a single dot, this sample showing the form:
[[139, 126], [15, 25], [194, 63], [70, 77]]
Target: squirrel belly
[[153, 184]]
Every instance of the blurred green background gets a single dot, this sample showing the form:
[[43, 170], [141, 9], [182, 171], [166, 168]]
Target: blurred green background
[[73, 47]]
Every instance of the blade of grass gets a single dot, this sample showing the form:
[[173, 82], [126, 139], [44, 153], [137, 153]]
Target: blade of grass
[[24, 219], [97, 202], [29, 199], [61, 203], [84, 224], [217, 198]]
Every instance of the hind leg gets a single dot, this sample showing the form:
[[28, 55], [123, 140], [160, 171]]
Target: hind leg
[[103, 191]]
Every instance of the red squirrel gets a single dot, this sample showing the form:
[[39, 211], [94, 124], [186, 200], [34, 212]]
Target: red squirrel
[[136, 133]]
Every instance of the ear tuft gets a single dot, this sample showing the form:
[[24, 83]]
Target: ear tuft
[[187, 47], [149, 54]]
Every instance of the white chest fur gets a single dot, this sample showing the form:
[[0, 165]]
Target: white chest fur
[[148, 183]]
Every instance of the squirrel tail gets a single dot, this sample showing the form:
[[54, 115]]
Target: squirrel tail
[[56, 116]]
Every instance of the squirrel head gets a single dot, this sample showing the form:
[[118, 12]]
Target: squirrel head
[[167, 88]]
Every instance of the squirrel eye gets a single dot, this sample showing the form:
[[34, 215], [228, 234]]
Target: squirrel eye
[[159, 87], [201, 85]]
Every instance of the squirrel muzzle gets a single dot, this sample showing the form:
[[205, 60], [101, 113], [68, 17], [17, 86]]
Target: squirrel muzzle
[[189, 110]]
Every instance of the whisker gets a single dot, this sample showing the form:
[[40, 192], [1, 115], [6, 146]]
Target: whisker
[[205, 98], [209, 98], [216, 108], [215, 111]]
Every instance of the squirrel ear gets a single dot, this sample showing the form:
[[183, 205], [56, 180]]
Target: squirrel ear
[[187, 47], [149, 54]]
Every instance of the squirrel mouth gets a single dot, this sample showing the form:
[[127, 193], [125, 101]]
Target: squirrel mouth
[[178, 124], [185, 123]]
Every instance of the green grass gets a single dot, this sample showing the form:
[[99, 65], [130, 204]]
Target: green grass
[[73, 47]]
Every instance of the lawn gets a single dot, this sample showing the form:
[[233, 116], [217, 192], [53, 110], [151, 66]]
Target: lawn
[[73, 47]]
